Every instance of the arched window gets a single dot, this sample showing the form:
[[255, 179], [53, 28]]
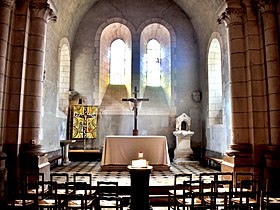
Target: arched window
[[117, 62], [215, 83], [64, 75], [153, 63]]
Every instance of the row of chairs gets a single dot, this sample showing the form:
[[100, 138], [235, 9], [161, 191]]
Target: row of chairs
[[61, 193], [223, 191]]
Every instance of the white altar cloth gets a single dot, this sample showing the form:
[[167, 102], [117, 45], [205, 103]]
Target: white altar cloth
[[121, 150]]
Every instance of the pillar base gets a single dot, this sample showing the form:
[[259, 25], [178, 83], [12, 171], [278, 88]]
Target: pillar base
[[3, 179], [238, 158], [239, 149], [238, 164], [34, 159], [272, 158]]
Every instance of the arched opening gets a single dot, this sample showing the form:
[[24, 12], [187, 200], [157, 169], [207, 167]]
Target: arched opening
[[155, 66], [215, 83], [117, 62], [115, 59], [153, 63], [64, 75]]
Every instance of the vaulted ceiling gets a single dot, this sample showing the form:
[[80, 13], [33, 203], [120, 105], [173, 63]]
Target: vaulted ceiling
[[70, 12]]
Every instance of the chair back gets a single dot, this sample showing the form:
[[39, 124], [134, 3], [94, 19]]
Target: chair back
[[239, 176], [59, 177], [108, 195], [83, 177], [107, 189]]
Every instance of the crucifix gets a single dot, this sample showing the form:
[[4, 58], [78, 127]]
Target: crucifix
[[135, 102]]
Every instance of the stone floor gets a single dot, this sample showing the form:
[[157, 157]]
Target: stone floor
[[157, 178]]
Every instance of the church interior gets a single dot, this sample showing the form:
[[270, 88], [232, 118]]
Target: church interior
[[188, 87]]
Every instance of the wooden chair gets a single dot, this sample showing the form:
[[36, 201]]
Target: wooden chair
[[220, 196], [270, 198], [239, 176], [61, 179], [24, 198], [48, 199], [85, 177], [207, 178], [177, 191], [30, 181], [20, 200], [187, 200], [198, 201], [250, 195], [108, 195], [81, 196], [229, 176]]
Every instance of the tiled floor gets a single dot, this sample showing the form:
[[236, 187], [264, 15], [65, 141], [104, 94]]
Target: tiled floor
[[157, 178]]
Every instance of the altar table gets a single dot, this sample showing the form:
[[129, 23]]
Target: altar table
[[119, 151]]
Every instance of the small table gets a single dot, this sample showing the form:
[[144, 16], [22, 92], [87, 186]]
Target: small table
[[140, 187], [65, 145]]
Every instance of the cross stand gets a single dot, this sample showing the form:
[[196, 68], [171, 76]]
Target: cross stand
[[135, 102]]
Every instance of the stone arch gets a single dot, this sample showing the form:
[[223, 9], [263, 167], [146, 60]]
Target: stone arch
[[164, 33], [107, 32]]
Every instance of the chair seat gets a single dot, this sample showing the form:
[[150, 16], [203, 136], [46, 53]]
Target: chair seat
[[63, 191], [82, 192], [20, 203], [78, 203], [244, 200], [33, 191], [272, 200], [46, 202], [219, 201], [108, 203], [188, 201], [178, 192]]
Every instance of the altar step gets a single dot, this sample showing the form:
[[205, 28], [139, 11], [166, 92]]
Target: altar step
[[85, 155]]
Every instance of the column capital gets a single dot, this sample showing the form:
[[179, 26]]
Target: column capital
[[266, 5], [44, 9], [7, 3], [232, 16]]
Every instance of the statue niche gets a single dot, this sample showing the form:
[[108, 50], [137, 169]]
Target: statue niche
[[183, 151]]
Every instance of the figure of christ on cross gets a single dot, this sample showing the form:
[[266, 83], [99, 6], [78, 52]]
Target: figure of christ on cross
[[135, 102]]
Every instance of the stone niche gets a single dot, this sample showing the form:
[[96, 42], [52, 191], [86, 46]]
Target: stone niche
[[183, 151]]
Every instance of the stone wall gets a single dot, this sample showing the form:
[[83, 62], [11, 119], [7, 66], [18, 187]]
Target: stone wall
[[189, 68]]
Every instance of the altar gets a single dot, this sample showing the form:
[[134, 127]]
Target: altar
[[119, 151]]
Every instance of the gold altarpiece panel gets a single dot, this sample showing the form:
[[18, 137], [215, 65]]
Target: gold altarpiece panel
[[84, 126]]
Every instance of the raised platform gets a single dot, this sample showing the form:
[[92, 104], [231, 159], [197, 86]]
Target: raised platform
[[85, 155]]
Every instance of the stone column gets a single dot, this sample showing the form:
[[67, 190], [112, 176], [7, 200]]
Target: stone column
[[5, 17], [33, 158], [40, 14], [240, 151], [271, 48]]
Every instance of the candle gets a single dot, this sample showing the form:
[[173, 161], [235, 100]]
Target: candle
[[140, 155]]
